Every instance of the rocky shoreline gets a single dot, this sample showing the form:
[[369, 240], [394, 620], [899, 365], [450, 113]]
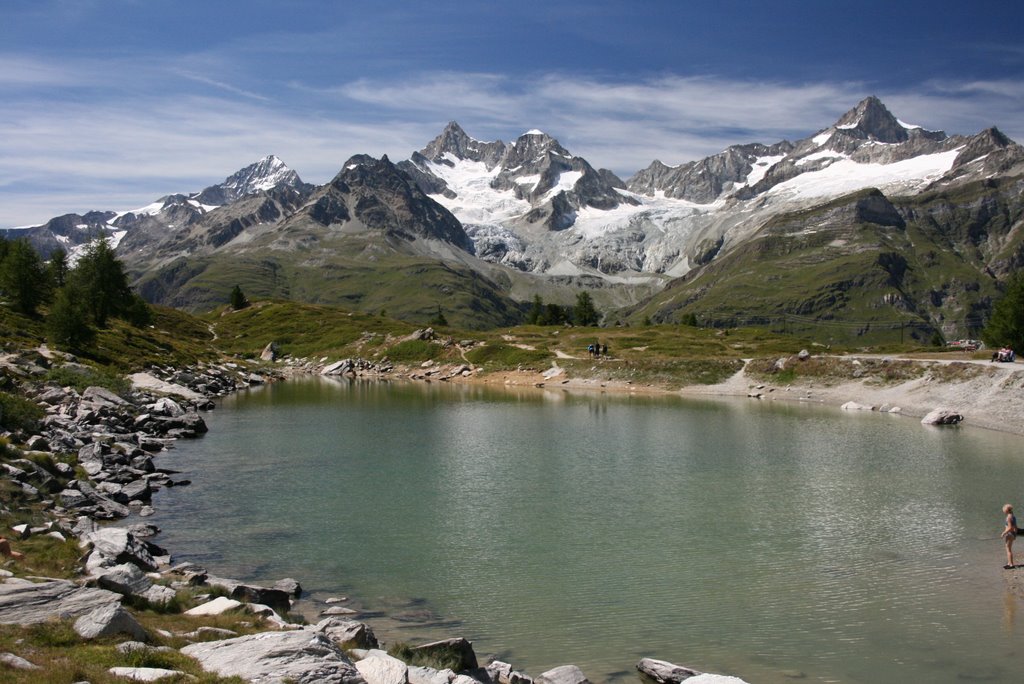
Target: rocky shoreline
[[116, 440]]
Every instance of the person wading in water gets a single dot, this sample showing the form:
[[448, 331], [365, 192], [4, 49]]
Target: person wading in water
[[1009, 534]]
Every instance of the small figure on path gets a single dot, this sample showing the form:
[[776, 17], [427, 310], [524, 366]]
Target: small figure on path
[[1009, 534], [5, 549]]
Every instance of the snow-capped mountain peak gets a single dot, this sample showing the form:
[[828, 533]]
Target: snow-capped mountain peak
[[455, 143], [266, 174], [871, 120]]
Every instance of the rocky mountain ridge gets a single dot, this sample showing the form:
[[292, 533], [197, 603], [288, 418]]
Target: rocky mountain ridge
[[525, 217]]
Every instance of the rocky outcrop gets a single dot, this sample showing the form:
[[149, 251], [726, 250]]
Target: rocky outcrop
[[377, 667], [664, 672], [277, 599], [348, 633], [302, 656], [27, 603], [565, 674]]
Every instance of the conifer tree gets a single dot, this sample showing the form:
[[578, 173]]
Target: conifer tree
[[1006, 326], [23, 277], [584, 312], [238, 300], [101, 282], [67, 325], [536, 311], [57, 268]]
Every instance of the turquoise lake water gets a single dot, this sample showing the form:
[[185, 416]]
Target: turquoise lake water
[[774, 542]]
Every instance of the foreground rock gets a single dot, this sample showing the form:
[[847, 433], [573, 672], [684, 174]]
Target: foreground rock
[[348, 633], [28, 603], [144, 674], [303, 656], [566, 674], [380, 668], [109, 620], [278, 599], [665, 672]]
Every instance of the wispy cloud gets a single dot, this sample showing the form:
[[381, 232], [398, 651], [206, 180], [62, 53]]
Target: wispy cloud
[[220, 85]]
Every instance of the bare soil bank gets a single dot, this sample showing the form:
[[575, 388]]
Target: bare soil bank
[[989, 395]]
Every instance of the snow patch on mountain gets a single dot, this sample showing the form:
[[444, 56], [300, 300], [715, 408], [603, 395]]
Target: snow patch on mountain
[[846, 176], [761, 166], [475, 200], [151, 209], [566, 182]]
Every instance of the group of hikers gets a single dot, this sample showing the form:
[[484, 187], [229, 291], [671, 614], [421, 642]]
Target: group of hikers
[[597, 350]]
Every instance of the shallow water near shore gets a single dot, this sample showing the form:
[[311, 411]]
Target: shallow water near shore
[[768, 541]]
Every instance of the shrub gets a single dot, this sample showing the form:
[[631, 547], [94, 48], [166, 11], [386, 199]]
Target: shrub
[[506, 356], [449, 659], [414, 350], [18, 413], [80, 379]]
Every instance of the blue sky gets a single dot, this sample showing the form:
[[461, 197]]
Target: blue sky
[[109, 104]]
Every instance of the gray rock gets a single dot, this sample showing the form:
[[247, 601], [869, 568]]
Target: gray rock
[[665, 672], [26, 603], [289, 586], [270, 616], [251, 593], [137, 490], [428, 675], [348, 633], [339, 610], [102, 397], [16, 662], [566, 674], [942, 416], [218, 606], [144, 674], [803, 355], [167, 407], [502, 673], [301, 656], [143, 530], [206, 631], [120, 546], [108, 621], [377, 667], [124, 579]]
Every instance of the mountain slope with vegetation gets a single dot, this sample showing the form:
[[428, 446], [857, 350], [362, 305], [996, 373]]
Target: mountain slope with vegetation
[[926, 265]]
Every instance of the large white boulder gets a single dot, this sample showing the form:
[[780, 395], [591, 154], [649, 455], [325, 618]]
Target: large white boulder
[[217, 606], [302, 657], [380, 668]]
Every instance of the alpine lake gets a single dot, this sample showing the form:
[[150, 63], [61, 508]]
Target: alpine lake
[[777, 542]]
